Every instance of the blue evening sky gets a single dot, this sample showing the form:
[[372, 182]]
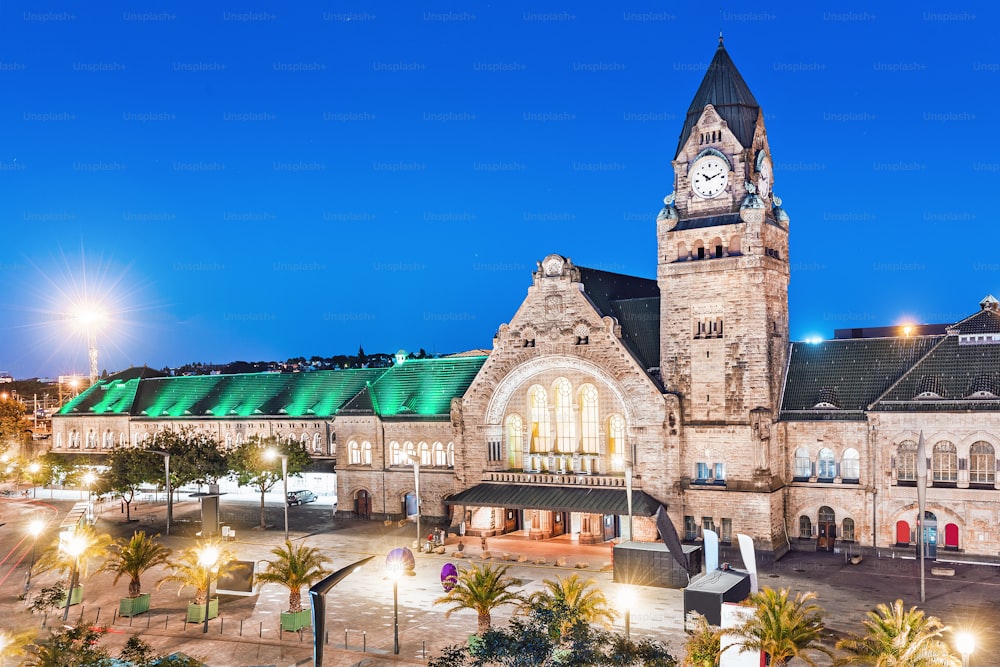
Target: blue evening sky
[[253, 180]]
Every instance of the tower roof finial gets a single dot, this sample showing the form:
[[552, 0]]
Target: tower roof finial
[[720, 39]]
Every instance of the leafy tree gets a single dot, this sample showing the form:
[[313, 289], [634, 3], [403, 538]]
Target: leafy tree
[[134, 556], [895, 637], [582, 599], [249, 466], [782, 627], [12, 424], [528, 641], [48, 598], [481, 588], [194, 457], [128, 469], [61, 469], [293, 568], [75, 646], [187, 569], [703, 645]]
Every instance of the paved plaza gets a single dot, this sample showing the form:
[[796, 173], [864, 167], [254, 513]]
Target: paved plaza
[[360, 618]]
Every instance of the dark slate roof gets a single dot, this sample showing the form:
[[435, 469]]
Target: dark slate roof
[[635, 303], [640, 322], [986, 321], [724, 88], [857, 371], [954, 372], [595, 500]]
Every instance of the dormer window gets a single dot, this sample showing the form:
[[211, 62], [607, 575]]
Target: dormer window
[[929, 388]]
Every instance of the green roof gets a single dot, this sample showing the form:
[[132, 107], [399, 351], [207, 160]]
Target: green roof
[[420, 387], [314, 394], [107, 397]]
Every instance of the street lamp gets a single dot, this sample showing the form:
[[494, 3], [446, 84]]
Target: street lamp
[[33, 469], [628, 496], [270, 455], [965, 642], [398, 563], [35, 528], [88, 480], [73, 546], [317, 594], [207, 558], [170, 498], [415, 460], [626, 598]]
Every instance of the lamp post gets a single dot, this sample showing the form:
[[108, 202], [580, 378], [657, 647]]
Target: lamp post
[[626, 598], [35, 528], [966, 644], [270, 455], [88, 481], [415, 460], [207, 558], [33, 469], [170, 498], [73, 546], [317, 594], [628, 496], [398, 563]]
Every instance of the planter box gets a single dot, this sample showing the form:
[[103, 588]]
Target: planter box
[[74, 599], [196, 612], [134, 606], [292, 621]]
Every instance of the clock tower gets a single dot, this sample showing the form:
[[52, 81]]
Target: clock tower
[[723, 275]]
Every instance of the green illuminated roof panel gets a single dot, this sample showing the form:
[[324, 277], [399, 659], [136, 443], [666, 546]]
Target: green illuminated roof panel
[[424, 387], [107, 397]]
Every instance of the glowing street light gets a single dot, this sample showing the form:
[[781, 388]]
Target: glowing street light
[[33, 469], [965, 642], [626, 598], [399, 563], [88, 481], [35, 528], [207, 558], [270, 455], [73, 545]]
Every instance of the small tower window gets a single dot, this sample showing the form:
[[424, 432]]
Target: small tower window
[[701, 252]]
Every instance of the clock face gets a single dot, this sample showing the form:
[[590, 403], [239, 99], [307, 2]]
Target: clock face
[[709, 176]]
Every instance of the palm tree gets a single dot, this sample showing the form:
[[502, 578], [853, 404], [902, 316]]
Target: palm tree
[[782, 627], [575, 599], [293, 568], [895, 637], [482, 589], [132, 557], [703, 645], [73, 555], [188, 570]]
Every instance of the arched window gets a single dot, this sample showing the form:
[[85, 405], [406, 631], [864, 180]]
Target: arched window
[[59, 440], [616, 442], [122, 439], [366, 453], [682, 252], [982, 463], [91, 439], [515, 442], [333, 442], [850, 465], [827, 466], [108, 441], [450, 454], [425, 454], [538, 413], [805, 527], [353, 453], [564, 415], [440, 460], [239, 439], [395, 454], [847, 530], [589, 420], [826, 515], [304, 440], [906, 461], [317, 442], [408, 452], [229, 441], [803, 465], [945, 462]]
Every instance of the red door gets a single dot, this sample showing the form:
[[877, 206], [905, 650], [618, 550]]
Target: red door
[[902, 533], [951, 536]]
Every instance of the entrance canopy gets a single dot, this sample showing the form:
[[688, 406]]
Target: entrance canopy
[[556, 498]]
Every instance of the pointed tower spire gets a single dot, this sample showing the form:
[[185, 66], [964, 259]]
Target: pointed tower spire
[[724, 88]]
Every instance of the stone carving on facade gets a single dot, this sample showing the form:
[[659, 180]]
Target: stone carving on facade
[[760, 429], [553, 306]]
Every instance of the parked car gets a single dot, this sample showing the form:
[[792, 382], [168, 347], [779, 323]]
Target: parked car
[[300, 497]]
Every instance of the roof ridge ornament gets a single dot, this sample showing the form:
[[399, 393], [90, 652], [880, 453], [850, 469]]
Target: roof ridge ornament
[[989, 303]]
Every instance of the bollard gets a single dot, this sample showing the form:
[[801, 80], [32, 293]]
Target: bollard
[[260, 630], [148, 617], [130, 621], [222, 620], [166, 618], [114, 617], [345, 638], [423, 649], [326, 640], [241, 627], [45, 617], [98, 617], [364, 641]]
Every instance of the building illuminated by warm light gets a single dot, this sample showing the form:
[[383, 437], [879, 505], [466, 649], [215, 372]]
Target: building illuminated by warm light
[[687, 381]]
